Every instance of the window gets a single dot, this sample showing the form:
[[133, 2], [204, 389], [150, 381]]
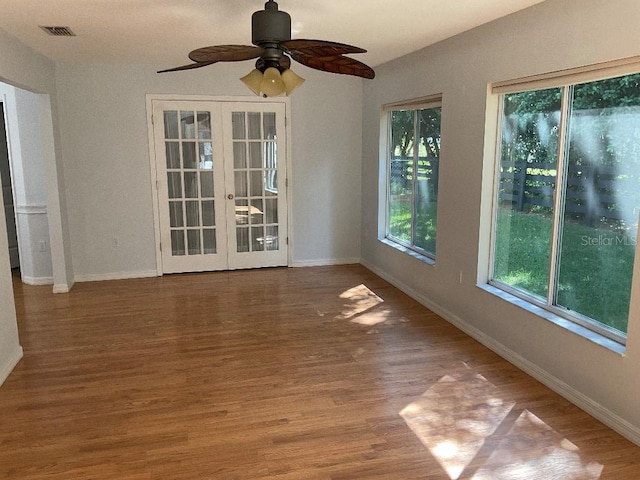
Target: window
[[413, 154], [567, 199]]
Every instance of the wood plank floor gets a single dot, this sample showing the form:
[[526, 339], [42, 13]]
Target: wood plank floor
[[324, 373]]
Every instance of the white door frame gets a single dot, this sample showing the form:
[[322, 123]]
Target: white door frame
[[13, 219], [150, 98]]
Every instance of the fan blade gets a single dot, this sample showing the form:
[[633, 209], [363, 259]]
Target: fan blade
[[336, 64], [187, 67], [225, 53], [319, 48]]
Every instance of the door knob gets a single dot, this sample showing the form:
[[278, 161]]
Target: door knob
[[230, 196]]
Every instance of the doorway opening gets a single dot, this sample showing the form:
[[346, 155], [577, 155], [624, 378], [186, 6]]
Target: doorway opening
[[23, 157], [8, 197]]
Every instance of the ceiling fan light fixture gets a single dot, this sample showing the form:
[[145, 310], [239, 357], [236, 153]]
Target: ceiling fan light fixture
[[253, 80], [274, 50], [291, 80], [272, 84]]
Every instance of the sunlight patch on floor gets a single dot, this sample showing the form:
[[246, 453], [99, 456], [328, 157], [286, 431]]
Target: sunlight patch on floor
[[454, 417], [532, 449], [473, 433], [361, 300]]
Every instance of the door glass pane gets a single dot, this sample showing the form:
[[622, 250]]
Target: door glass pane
[[193, 214], [239, 155], [204, 125], [254, 125], [242, 212], [600, 222], [175, 214], [242, 239], [191, 184], [269, 121], [271, 182], [529, 152], [172, 150], [189, 154], [208, 213], [209, 241], [206, 184], [177, 242], [171, 124], [255, 155], [206, 156], [174, 184], [257, 239], [271, 239], [270, 155], [241, 183], [256, 212], [256, 184], [187, 122], [193, 242], [238, 126], [271, 210]]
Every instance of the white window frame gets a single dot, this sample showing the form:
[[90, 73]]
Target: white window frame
[[565, 80], [434, 101]]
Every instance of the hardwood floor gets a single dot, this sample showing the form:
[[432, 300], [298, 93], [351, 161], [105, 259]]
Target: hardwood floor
[[324, 373]]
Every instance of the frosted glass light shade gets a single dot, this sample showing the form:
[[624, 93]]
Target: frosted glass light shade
[[253, 80], [291, 80], [272, 84]]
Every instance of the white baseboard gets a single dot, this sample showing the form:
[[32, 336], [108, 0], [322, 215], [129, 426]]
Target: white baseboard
[[99, 277], [325, 262], [61, 288], [593, 408], [10, 364], [37, 280]]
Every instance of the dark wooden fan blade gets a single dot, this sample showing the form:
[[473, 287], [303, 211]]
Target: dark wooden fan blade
[[319, 48], [336, 64], [225, 53], [187, 67]]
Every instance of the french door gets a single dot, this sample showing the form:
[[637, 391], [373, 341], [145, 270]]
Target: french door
[[221, 189]]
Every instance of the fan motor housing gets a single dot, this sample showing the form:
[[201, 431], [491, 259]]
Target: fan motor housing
[[270, 25]]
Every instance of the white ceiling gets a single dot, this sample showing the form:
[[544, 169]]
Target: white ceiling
[[163, 32]]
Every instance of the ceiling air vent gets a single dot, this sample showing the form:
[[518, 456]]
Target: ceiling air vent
[[58, 31]]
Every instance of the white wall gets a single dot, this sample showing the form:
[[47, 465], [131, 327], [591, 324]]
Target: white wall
[[106, 162], [24, 68], [554, 35], [10, 349]]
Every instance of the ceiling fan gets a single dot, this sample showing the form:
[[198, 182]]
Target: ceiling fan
[[274, 49]]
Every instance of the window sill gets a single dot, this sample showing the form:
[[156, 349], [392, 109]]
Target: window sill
[[408, 251], [557, 320]]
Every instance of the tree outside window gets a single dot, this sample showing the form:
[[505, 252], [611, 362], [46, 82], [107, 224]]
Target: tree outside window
[[414, 157], [568, 199]]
